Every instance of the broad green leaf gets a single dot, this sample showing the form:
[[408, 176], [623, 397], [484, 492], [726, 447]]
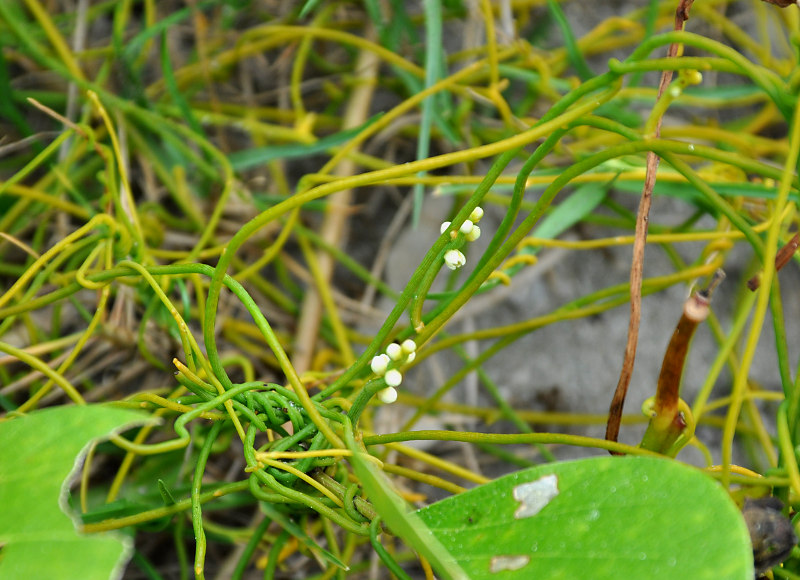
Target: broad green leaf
[[606, 517], [39, 454]]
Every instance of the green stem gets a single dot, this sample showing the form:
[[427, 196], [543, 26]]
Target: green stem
[[197, 514]]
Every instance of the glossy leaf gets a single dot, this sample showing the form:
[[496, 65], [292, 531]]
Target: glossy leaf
[[605, 517], [39, 454]]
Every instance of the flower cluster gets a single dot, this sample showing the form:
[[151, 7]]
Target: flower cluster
[[383, 366], [454, 259]]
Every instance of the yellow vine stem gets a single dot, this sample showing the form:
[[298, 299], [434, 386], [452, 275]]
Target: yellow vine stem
[[726, 355], [496, 86], [172, 405], [98, 317], [504, 278], [61, 246], [21, 245], [186, 335], [739, 37], [448, 159], [748, 396], [85, 472], [189, 374], [333, 230], [676, 238], [787, 450], [391, 440], [432, 480], [45, 347], [258, 39], [438, 463], [200, 285], [297, 200], [227, 189], [491, 414], [264, 455], [296, 78], [606, 37], [33, 194], [491, 42], [183, 197], [324, 291], [80, 274], [157, 513], [426, 567], [702, 448], [243, 363], [126, 203], [183, 255], [133, 448], [735, 469], [304, 476], [629, 174], [524, 259], [761, 433], [540, 321], [40, 366], [272, 250], [449, 83], [762, 302], [56, 40]]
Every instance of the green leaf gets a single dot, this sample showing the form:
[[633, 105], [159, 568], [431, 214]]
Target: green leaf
[[605, 517], [39, 455], [297, 531], [308, 8], [249, 158]]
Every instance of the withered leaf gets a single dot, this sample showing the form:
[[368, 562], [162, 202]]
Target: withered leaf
[[782, 3]]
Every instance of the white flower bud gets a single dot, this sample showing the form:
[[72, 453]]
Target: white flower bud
[[476, 214], [388, 395], [394, 351], [379, 364], [444, 227], [408, 346], [393, 378], [454, 259], [474, 234], [411, 356], [466, 227]]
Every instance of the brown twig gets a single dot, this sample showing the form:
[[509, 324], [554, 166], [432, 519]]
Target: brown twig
[[637, 262], [781, 259], [695, 310], [669, 423]]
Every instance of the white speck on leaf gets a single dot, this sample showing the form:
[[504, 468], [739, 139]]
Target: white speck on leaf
[[502, 563], [535, 495]]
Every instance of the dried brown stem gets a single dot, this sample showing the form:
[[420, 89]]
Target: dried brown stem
[[695, 310], [781, 259], [637, 262]]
